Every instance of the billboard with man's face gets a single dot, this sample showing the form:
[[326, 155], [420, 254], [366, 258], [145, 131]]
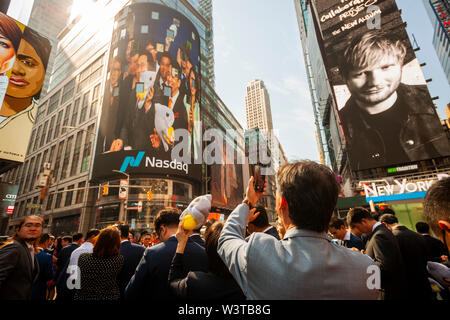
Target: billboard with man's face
[[24, 56], [386, 111], [150, 119]]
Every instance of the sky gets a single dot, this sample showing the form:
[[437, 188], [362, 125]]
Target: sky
[[260, 39]]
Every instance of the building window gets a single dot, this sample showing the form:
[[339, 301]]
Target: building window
[[68, 91], [58, 160], [49, 201], [59, 198], [76, 154], [80, 192], [84, 107], [58, 124], [66, 117], [65, 165], [94, 104], [43, 134], [53, 102], [87, 150], [38, 138], [50, 129], [69, 196], [73, 122]]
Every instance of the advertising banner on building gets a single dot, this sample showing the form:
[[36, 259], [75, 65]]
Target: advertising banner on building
[[8, 195], [150, 119], [385, 109], [24, 56]]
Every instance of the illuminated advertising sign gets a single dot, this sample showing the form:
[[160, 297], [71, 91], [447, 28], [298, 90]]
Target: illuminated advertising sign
[[398, 189], [386, 111], [8, 195], [152, 96], [24, 56], [443, 13]]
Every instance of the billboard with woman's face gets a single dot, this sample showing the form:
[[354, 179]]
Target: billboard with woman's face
[[152, 96], [386, 111], [24, 56]]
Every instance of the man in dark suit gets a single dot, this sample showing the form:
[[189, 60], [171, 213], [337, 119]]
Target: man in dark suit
[[415, 256], [259, 222], [338, 230], [197, 238], [45, 261], [132, 253], [150, 280], [18, 266], [63, 293], [383, 248], [438, 251]]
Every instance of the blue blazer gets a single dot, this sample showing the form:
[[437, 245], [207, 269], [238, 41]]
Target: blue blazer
[[39, 288], [133, 254], [150, 280], [354, 242]]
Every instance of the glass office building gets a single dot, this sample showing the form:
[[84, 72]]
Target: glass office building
[[66, 125]]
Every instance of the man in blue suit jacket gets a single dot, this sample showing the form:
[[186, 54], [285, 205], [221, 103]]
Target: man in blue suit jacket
[[338, 230], [151, 277], [132, 253], [45, 260]]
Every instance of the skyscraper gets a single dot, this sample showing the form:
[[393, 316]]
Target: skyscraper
[[257, 106], [59, 11], [439, 13]]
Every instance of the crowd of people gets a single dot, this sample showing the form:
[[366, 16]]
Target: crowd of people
[[371, 257]]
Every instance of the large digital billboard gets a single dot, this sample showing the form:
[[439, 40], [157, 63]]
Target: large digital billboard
[[150, 119], [386, 111], [24, 56]]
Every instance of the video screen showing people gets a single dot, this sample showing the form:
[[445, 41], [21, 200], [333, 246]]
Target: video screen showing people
[[24, 57], [153, 87], [386, 111]]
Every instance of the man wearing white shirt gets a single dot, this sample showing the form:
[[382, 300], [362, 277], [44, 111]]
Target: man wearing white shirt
[[383, 248], [86, 247]]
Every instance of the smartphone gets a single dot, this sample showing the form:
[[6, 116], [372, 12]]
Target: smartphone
[[170, 34], [139, 87], [259, 178], [167, 91]]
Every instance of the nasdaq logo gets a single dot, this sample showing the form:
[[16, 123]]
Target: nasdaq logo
[[132, 162]]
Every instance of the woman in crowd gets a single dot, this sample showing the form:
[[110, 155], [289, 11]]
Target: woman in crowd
[[99, 270], [218, 283]]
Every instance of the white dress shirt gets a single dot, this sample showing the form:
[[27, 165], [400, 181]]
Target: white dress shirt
[[86, 247]]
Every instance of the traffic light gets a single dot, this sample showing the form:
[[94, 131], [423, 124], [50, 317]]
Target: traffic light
[[105, 190], [149, 195]]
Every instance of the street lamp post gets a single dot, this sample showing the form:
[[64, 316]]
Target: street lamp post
[[123, 213]]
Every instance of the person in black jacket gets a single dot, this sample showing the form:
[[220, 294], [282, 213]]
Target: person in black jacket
[[45, 260], [415, 256], [62, 292], [383, 248], [259, 222], [132, 254], [18, 266], [217, 284], [438, 251], [338, 230], [150, 279]]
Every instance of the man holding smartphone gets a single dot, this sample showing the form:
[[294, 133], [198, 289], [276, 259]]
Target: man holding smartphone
[[304, 264]]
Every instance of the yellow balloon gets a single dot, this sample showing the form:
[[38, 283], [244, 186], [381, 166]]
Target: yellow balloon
[[189, 222]]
